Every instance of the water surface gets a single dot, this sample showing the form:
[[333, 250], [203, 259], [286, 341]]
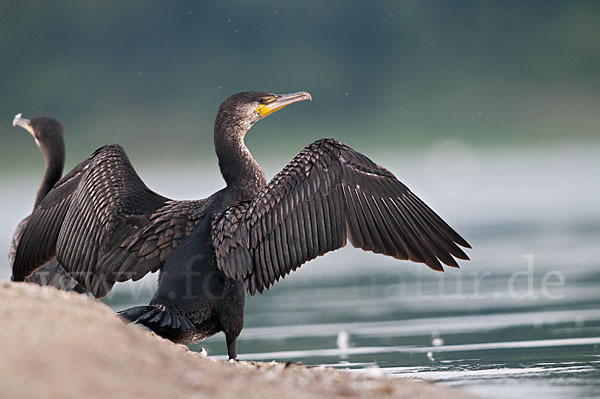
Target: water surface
[[521, 320]]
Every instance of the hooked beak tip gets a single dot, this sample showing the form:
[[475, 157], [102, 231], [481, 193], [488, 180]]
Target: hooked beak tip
[[16, 119]]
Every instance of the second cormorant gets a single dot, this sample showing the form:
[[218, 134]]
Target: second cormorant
[[48, 135]]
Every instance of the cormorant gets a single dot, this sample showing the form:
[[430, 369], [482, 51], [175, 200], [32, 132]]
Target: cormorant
[[105, 225], [48, 135]]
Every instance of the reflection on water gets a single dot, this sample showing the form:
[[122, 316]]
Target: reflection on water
[[521, 320]]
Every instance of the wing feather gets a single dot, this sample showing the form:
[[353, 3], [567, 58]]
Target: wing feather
[[51, 273]]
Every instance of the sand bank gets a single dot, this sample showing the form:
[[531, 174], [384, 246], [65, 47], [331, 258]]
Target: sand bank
[[56, 344]]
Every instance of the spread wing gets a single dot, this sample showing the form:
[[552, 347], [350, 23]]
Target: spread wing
[[327, 194], [104, 225]]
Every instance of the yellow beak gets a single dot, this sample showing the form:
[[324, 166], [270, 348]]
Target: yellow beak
[[282, 101]]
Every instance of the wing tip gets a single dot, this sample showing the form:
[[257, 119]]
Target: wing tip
[[461, 241]]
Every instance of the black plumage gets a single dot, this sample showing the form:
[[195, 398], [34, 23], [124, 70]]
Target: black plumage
[[105, 225], [49, 137]]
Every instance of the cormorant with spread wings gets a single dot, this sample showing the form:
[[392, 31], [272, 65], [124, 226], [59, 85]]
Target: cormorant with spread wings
[[104, 225]]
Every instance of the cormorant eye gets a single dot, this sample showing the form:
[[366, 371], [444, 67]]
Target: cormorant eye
[[266, 100]]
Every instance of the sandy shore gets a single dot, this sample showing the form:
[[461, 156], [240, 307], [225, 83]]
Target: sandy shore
[[55, 344]]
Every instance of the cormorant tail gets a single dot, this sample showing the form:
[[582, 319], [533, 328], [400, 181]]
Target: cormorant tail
[[155, 318]]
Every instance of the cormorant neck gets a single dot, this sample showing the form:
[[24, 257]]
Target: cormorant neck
[[239, 169], [54, 156]]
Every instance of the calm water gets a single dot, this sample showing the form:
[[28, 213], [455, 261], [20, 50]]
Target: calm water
[[521, 320]]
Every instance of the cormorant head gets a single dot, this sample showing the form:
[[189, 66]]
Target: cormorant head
[[246, 108], [47, 133], [44, 129]]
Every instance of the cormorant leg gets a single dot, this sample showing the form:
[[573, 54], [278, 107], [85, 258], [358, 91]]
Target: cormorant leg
[[231, 347]]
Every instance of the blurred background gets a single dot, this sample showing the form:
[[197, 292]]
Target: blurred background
[[488, 110], [395, 73]]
